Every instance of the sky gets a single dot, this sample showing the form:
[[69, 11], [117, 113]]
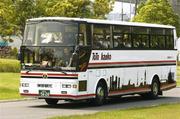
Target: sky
[[127, 8]]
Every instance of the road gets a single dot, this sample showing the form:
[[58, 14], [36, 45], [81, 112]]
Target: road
[[38, 109]]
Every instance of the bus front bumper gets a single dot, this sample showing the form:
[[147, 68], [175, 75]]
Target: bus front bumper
[[52, 88]]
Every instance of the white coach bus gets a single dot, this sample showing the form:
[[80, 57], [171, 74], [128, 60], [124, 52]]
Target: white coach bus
[[74, 59]]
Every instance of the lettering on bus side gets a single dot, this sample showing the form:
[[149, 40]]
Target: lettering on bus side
[[103, 56]]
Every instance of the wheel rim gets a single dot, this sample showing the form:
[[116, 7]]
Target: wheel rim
[[100, 93], [155, 88]]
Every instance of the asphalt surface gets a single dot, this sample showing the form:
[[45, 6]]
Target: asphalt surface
[[38, 109]]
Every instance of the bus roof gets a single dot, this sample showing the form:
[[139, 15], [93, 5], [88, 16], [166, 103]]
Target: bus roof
[[98, 21]]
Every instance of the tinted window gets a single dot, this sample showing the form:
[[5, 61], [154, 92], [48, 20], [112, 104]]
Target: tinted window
[[122, 29], [140, 30], [82, 35], [101, 37], [122, 36]]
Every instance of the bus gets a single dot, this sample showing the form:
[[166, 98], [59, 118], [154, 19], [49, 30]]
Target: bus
[[90, 59]]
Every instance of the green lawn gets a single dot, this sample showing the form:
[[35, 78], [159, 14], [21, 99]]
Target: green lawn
[[9, 86], [178, 76], [168, 111]]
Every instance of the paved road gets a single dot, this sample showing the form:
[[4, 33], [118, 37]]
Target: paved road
[[38, 109]]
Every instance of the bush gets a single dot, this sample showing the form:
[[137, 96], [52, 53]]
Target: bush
[[9, 65]]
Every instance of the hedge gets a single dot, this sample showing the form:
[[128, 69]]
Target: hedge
[[9, 65]]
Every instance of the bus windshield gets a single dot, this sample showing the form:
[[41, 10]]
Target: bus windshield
[[49, 45], [50, 34]]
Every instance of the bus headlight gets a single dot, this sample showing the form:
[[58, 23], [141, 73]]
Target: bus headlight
[[66, 85], [24, 84], [74, 86]]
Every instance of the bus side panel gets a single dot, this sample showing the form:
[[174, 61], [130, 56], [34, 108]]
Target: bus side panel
[[129, 71]]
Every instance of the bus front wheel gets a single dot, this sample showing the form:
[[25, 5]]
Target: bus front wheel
[[101, 94], [51, 101]]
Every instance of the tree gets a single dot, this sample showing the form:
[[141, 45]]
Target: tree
[[69, 8], [24, 9], [14, 13], [101, 8], [80, 8], [157, 11], [7, 26]]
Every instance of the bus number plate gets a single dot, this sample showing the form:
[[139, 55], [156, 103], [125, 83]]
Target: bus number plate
[[44, 93]]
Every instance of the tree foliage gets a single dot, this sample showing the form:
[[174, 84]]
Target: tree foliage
[[7, 26], [69, 8], [101, 8], [157, 11], [80, 8], [14, 13]]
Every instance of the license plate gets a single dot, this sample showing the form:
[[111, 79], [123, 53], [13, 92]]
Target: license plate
[[44, 93]]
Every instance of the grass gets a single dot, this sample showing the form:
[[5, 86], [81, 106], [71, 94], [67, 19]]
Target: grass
[[178, 76], [166, 111], [9, 65], [9, 86]]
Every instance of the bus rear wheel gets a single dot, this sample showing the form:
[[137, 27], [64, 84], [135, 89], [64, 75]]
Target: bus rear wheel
[[155, 86], [51, 101], [155, 90], [101, 94]]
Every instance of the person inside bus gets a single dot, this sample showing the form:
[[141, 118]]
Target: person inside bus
[[66, 56], [97, 42], [48, 58], [120, 42], [127, 42]]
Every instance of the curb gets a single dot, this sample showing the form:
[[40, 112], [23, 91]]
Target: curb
[[17, 100]]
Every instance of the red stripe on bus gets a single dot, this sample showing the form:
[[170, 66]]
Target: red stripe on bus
[[130, 90], [37, 74], [134, 62], [60, 95], [73, 96]]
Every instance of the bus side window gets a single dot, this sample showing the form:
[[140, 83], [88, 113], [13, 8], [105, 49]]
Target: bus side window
[[157, 38], [81, 39], [82, 35], [154, 41], [140, 37], [118, 41], [161, 40], [121, 36], [127, 40], [169, 38], [101, 37], [169, 42]]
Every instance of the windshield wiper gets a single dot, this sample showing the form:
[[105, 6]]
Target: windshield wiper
[[31, 68], [59, 69], [45, 68]]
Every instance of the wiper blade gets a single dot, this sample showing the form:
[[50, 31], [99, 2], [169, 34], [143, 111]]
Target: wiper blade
[[59, 69], [30, 69], [45, 68]]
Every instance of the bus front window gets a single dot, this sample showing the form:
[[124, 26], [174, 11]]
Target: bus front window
[[48, 57], [50, 45], [50, 33]]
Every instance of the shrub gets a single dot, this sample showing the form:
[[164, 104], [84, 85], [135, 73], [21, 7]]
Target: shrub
[[9, 65]]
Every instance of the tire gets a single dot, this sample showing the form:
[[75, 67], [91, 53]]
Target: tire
[[155, 88], [101, 94], [51, 101], [155, 91]]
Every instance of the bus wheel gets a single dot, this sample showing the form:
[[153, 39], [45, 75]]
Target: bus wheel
[[101, 94], [154, 89], [51, 101]]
